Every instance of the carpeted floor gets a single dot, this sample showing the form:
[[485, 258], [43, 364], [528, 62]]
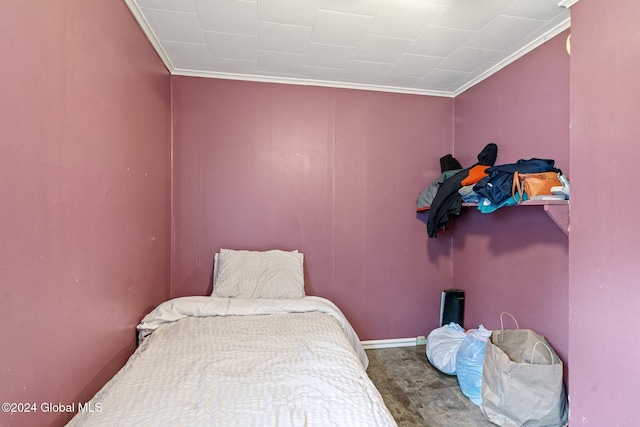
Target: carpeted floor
[[417, 394]]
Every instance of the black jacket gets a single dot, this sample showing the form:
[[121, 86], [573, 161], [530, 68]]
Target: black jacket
[[448, 201]]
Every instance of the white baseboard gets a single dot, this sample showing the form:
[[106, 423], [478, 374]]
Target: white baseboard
[[396, 342]]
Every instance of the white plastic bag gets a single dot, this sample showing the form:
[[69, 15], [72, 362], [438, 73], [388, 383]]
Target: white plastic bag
[[442, 346]]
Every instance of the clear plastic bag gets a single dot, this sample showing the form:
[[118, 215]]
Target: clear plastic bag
[[469, 362]]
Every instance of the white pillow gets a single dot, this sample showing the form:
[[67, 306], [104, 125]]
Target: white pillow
[[252, 274], [215, 265]]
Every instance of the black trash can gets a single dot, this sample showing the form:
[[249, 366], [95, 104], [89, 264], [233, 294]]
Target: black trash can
[[452, 307]]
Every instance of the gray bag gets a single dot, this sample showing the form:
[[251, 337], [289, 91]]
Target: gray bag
[[522, 381]]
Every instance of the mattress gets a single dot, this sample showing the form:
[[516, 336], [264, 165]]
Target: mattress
[[206, 361]]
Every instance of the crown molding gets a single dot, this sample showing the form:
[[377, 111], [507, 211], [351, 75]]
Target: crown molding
[[567, 3], [309, 82], [146, 29]]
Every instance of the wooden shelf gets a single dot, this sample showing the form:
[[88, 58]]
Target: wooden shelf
[[558, 211]]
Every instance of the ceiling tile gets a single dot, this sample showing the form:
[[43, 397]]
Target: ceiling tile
[[321, 73], [298, 12], [234, 66], [283, 38], [357, 7], [185, 55], [503, 32], [414, 65], [227, 16], [559, 20], [438, 41], [232, 46], [442, 79], [173, 5], [467, 59], [365, 72], [281, 63], [436, 2], [470, 15], [174, 26], [340, 29], [541, 9], [380, 49], [404, 19], [392, 80], [322, 55]]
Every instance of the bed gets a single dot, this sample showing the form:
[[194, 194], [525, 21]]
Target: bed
[[235, 359]]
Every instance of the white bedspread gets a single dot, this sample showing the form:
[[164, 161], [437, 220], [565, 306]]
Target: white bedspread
[[210, 361]]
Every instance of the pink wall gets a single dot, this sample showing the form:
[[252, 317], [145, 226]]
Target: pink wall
[[516, 259], [332, 172], [604, 325], [84, 178]]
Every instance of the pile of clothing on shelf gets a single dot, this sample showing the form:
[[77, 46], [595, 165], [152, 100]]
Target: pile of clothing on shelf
[[488, 185]]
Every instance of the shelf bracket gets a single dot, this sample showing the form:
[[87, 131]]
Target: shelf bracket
[[560, 215]]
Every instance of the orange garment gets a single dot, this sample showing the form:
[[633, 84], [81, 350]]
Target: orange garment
[[476, 173]]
